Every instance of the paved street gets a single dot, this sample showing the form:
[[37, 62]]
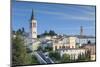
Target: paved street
[[43, 59]]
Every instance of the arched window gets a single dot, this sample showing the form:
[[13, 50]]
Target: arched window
[[63, 46], [72, 46], [59, 46], [34, 25], [55, 47]]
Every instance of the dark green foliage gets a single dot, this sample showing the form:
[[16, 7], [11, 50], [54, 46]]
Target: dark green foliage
[[23, 30], [47, 49], [39, 48], [50, 33], [29, 50], [13, 32], [89, 42], [20, 31], [88, 55], [81, 57], [55, 56], [65, 58], [45, 33], [38, 36], [34, 60], [84, 57], [20, 55]]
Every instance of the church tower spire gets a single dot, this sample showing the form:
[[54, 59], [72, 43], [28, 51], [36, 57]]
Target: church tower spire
[[33, 26], [81, 30], [32, 16]]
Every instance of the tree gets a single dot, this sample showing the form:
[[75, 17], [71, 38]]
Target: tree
[[19, 31], [65, 58], [46, 33], [48, 49], [23, 30], [81, 57], [13, 32], [19, 54], [85, 57], [34, 60], [55, 56], [52, 33], [88, 55], [39, 48], [19, 51], [38, 36], [89, 42]]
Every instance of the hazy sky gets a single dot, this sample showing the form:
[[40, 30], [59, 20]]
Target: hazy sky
[[63, 19]]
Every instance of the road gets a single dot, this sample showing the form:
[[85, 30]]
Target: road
[[43, 58]]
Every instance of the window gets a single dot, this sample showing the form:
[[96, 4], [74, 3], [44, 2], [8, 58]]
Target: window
[[72, 46], [34, 24], [67, 46], [55, 47], [34, 32], [63, 46], [59, 46]]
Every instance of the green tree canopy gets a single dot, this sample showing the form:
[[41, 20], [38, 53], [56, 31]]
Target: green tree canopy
[[19, 51], [55, 56], [65, 58], [50, 33], [20, 56]]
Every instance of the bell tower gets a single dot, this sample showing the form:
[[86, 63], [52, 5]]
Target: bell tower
[[33, 26], [81, 30]]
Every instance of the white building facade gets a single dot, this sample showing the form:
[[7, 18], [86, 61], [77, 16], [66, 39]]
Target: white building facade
[[73, 52], [69, 42]]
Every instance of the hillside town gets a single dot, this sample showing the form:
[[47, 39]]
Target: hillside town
[[50, 47]]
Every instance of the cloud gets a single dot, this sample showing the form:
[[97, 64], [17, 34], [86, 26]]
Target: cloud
[[86, 16], [84, 13], [49, 12], [79, 17]]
